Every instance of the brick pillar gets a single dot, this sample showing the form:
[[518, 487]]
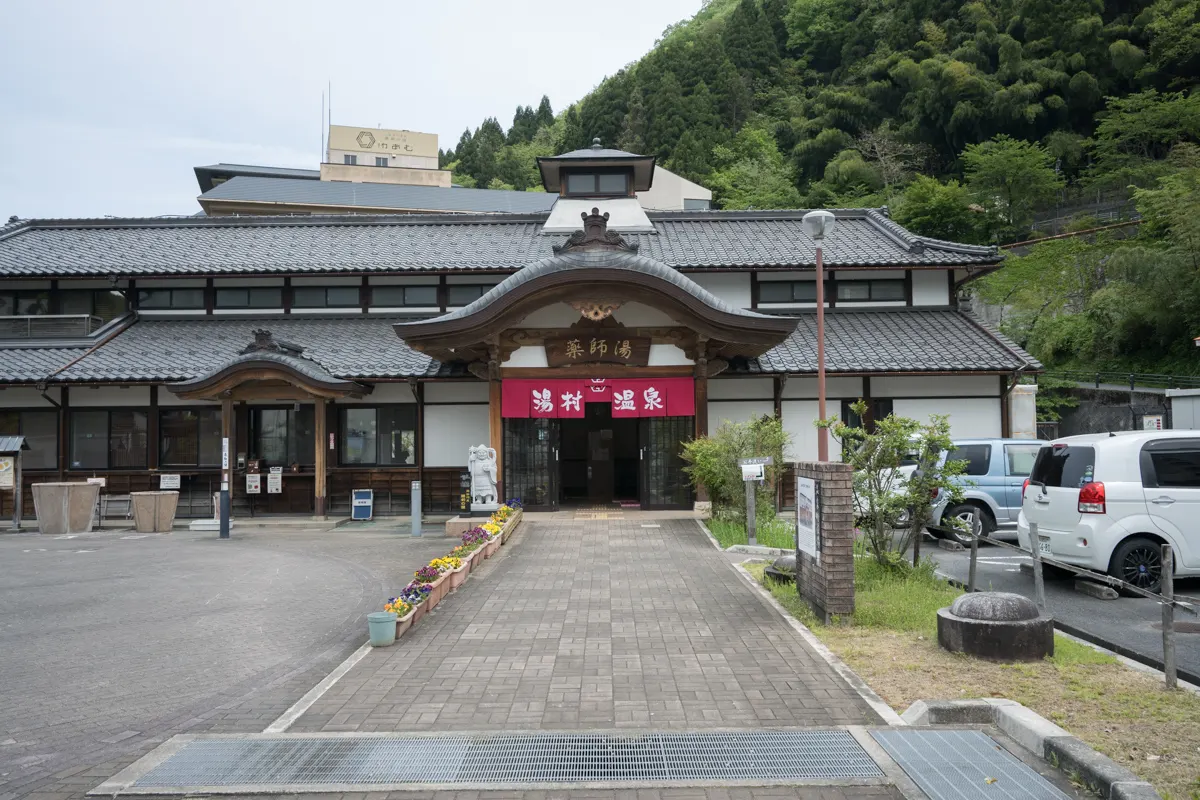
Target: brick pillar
[[827, 582]]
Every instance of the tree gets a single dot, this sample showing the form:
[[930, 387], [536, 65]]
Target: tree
[[544, 116], [1010, 178], [712, 462], [633, 128], [883, 490], [690, 158], [734, 100], [667, 122], [893, 157], [751, 173], [749, 40], [939, 210]]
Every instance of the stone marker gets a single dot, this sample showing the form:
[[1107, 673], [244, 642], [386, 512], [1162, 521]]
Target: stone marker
[[1000, 626]]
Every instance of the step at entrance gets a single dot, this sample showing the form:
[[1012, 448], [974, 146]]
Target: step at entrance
[[355, 762]]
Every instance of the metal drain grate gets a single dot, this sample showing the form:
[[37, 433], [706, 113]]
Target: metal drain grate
[[503, 759], [964, 765]]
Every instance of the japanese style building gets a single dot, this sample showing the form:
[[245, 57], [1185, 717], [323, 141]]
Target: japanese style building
[[584, 343]]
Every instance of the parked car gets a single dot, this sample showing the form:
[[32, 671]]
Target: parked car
[[991, 487], [1108, 502]]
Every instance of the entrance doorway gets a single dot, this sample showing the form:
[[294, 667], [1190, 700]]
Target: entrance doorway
[[597, 460]]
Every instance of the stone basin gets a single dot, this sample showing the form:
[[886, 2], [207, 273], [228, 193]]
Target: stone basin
[[999, 626]]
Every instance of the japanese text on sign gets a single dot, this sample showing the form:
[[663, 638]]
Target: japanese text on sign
[[581, 347]]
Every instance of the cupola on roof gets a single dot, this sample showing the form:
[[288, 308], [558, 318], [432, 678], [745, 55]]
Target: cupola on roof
[[596, 156]]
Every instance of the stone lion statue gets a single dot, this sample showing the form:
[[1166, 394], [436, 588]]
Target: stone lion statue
[[481, 463]]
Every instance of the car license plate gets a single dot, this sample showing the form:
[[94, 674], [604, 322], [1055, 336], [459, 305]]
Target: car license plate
[[1044, 545]]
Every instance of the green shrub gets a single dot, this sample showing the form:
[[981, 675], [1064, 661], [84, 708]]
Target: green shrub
[[713, 463]]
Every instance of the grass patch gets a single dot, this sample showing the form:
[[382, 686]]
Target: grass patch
[[891, 641], [775, 532]]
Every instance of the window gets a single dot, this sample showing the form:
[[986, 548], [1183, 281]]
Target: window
[[380, 435], [326, 297], [24, 303], [250, 298], [394, 296], [461, 295], [605, 183], [1019, 458], [351, 160], [1173, 464], [40, 429], [977, 456], [104, 303], [171, 298], [696, 204], [1066, 466], [880, 408], [108, 439], [791, 291], [381, 161], [281, 437], [861, 291], [190, 437]]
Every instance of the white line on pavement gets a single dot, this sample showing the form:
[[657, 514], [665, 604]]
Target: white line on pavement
[[314, 694]]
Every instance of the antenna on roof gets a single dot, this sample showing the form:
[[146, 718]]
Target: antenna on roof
[[321, 160]]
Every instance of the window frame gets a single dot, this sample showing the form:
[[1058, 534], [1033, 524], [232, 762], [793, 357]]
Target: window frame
[[1008, 465], [197, 424], [375, 303], [296, 290], [108, 427], [382, 161], [873, 284], [249, 290], [595, 173], [829, 289], [410, 408], [1149, 469], [20, 412], [986, 460], [879, 408], [253, 426], [171, 305], [483, 288], [349, 160]]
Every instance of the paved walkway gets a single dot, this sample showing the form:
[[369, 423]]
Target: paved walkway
[[631, 623]]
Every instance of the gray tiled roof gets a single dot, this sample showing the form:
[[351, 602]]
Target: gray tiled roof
[[500, 242], [594, 152], [205, 175], [347, 347], [377, 195], [32, 364], [11, 444], [940, 340]]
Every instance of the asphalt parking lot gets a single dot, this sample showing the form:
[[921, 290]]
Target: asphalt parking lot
[[1127, 621], [111, 642]]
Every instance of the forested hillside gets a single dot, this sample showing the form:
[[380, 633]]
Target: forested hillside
[[966, 119]]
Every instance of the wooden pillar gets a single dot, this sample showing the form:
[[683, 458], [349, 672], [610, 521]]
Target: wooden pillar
[[1005, 399], [320, 451], [225, 512], [153, 445], [780, 381], [495, 420], [64, 431], [700, 375], [418, 390]]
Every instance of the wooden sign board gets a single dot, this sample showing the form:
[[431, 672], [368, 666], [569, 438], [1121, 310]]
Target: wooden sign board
[[597, 347]]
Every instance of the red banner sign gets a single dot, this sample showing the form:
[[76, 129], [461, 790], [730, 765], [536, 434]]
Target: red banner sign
[[629, 397]]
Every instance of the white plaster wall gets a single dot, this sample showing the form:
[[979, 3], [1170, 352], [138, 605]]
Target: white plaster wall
[[737, 411], [102, 283], [732, 287], [930, 287], [402, 280], [970, 417], [168, 399], [667, 355], [457, 392], [450, 431], [383, 393], [868, 275], [529, 356], [793, 275], [323, 281], [668, 191], [111, 396], [798, 418], [558, 315], [479, 280], [742, 389], [28, 397], [935, 386], [806, 388], [634, 314]]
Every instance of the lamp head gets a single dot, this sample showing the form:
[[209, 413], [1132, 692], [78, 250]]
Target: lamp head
[[819, 224]]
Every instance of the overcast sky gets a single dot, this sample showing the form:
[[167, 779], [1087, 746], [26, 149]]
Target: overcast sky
[[105, 107]]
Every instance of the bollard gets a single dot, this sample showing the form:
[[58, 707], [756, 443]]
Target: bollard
[[415, 501], [976, 529], [1035, 548], [1168, 615], [751, 514]]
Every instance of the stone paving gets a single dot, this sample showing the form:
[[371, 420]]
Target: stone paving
[[629, 623]]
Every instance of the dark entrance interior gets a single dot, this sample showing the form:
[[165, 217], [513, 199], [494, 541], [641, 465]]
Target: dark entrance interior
[[599, 457], [597, 460]]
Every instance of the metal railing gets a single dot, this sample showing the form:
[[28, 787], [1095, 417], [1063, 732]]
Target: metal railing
[[49, 326], [1130, 379], [1166, 598]]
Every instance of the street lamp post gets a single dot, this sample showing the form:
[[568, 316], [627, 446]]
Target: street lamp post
[[818, 225]]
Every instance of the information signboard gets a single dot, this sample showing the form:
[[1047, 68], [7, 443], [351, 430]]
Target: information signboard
[[362, 503], [275, 482], [168, 481], [254, 484], [807, 517]]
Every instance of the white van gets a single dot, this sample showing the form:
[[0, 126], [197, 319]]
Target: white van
[[1107, 501]]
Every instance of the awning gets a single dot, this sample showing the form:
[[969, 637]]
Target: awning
[[629, 397]]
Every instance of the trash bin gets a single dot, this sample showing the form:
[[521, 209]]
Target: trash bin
[[65, 507], [382, 625], [153, 512]]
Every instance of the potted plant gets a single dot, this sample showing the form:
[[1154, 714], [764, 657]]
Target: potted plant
[[404, 614], [477, 537], [465, 554], [493, 533], [457, 571], [433, 578], [446, 566], [417, 596]]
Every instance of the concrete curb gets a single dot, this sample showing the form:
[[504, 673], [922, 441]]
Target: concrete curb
[[1040, 736], [756, 550]]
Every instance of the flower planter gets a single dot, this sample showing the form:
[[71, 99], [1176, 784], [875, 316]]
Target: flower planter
[[510, 525], [406, 622], [492, 546], [437, 590], [419, 611], [458, 576]]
